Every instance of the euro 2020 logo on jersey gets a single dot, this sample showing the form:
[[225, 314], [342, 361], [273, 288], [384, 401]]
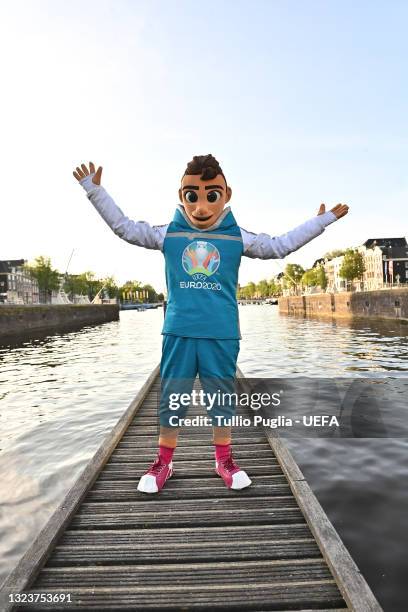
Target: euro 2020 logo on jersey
[[200, 257]]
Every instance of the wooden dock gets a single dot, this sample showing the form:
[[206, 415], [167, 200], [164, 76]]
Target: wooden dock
[[196, 545]]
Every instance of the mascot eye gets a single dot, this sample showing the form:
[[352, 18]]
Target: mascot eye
[[213, 196], [191, 196]]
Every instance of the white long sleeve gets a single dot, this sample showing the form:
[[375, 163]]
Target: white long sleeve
[[140, 233], [263, 246]]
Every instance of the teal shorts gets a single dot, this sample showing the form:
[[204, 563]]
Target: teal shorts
[[215, 362]]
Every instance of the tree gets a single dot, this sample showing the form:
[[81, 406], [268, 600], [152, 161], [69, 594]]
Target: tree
[[321, 278], [111, 287], [353, 266], [75, 284], [293, 274], [274, 288], [150, 293], [315, 277], [263, 288], [334, 253], [309, 278], [48, 278], [251, 289], [131, 290], [247, 292], [93, 285]]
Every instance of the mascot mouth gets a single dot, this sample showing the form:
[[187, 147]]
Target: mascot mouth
[[202, 218]]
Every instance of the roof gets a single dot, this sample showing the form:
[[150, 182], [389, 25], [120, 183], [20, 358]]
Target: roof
[[319, 261], [385, 242], [7, 264], [396, 252]]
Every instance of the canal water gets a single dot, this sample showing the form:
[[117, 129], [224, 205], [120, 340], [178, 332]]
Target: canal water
[[60, 396]]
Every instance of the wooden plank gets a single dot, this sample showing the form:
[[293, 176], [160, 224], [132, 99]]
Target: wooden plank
[[36, 556], [100, 547], [187, 534], [185, 552], [234, 516], [299, 595], [189, 574], [125, 491]]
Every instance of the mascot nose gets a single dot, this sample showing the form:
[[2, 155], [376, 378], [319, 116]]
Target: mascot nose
[[202, 209]]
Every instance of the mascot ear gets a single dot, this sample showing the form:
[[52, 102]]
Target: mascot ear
[[229, 194], [180, 196]]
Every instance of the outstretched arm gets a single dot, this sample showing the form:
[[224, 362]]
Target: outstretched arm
[[134, 232], [263, 246]]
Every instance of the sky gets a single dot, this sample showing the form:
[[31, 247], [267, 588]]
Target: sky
[[300, 102]]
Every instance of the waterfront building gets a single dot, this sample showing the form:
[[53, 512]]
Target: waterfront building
[[386, 262], [17, 286], [332, 270], [373, 273]]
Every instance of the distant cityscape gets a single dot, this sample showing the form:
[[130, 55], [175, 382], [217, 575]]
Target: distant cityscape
[[22, 284], [383, 263]]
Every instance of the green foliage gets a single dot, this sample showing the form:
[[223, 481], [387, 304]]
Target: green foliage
[[334, 253], [262, 289], [83, 284], [321, 277], [315, 277], [353, 265], [48, 278], [293, 275], [309, 278], [136, 292], [111, 287], [87, 284]]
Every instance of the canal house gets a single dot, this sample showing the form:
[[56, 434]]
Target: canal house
[[17, 286]]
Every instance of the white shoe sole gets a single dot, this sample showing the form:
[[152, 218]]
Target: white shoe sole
[[147, 483], [240, 479]]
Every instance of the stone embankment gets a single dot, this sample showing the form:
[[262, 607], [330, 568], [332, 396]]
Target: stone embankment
[[383, 304], [27, 321]]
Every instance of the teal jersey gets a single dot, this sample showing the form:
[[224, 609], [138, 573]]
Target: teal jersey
[[202, 278]]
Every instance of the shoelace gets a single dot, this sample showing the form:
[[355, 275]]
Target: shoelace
[[157, 466], [229, 463]]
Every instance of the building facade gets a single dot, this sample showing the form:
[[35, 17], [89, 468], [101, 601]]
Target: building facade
[[386, 265], [16, 285], [373, 273], [386, 262], [332, 270]]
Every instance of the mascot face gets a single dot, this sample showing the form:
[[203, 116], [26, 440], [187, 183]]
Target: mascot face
[[203, 201]]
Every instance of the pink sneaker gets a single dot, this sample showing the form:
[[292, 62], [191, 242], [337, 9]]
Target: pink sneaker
[[153, 480], [231, 473]]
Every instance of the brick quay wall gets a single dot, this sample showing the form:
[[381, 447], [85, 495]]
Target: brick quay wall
[[28, 321], [384, 304]]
